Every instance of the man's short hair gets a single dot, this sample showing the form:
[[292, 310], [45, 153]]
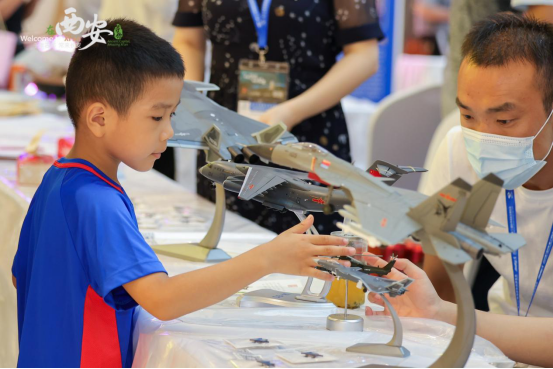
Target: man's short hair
[[506, 37], [117, 74]]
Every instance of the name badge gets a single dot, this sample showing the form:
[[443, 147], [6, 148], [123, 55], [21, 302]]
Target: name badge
[[261, 85]]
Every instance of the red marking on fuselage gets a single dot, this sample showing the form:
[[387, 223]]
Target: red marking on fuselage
[[384, 222], [315, 177], [448, 197], [318, 200], [250, 186], [375, 173]]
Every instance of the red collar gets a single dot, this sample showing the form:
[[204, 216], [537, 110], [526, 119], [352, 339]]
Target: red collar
[[57, 164]]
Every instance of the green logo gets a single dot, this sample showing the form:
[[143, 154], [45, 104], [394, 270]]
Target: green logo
[[50, 31], [118, 32]]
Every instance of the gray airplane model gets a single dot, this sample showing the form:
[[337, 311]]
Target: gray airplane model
[[200, 123], [373, 284], [453, 220], [283, 189]]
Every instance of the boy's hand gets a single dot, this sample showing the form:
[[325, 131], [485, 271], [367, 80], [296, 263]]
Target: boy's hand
[[421, 299], [293, 252]]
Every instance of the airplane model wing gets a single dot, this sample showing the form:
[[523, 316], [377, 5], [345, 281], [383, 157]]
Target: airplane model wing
[[380, 215], [257, 181], [197, 114]]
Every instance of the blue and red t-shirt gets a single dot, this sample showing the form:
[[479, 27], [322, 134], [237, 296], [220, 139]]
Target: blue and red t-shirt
[[78, 246]]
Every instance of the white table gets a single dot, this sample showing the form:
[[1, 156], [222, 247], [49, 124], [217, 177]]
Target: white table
[[198, 339]]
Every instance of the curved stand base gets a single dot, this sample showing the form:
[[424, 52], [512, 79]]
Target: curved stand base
[[307, 294], [272, 298], [392, 348], [457, 353], [206, 250], [344, 323], [381, 349]]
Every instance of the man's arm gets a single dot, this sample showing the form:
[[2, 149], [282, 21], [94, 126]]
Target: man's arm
[[523, 339], [292, 252]]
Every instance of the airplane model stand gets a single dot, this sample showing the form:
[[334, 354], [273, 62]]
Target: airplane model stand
[[344, 322], [457, 353], [206, 250], [272, 298], [306, 294], [392, 348]]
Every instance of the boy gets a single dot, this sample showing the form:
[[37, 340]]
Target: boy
[[505, 96], [82, 266]]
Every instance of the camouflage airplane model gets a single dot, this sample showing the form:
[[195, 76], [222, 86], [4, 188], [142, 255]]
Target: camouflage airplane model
[[370, 269], [373, 284], [202, 124], [451, 223], [283, 189]]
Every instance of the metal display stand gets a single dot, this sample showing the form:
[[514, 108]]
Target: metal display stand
[[392, 348], [344, 322], [457, 353], [206, 250]]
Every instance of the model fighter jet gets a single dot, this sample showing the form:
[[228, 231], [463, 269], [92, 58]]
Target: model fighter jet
[[453, 220], [283, 189], [370, 269], [373, 284], [200, 123]]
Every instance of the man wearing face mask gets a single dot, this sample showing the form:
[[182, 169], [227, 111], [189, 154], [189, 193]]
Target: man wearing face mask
[[505, 95]]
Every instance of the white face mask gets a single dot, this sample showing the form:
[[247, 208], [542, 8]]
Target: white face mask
[[510, 158]]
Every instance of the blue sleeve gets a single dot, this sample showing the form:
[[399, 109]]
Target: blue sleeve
[[108, 242]]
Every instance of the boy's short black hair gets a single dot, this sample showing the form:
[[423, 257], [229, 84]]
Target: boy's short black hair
[[507, 37], [117, 74]]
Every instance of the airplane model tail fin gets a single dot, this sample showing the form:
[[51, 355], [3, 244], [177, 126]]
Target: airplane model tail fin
[[271, 134], [444, 209], [381, 168], [513, 241], [388, 267], [481, 202]]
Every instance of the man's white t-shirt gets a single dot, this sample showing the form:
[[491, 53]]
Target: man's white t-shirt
[[534, 220]]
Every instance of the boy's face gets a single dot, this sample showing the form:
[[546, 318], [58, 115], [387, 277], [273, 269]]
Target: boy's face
[[504, 101], [139, 138]]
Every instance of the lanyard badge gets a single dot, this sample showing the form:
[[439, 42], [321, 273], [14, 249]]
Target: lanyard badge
[[512, 221], [261, 22], [262, 84]]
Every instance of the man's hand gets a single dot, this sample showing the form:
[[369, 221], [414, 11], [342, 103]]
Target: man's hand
[[280, 113], [294, 252], [421, 299]]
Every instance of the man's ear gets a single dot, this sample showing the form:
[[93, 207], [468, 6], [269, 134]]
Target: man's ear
[[96, 117]]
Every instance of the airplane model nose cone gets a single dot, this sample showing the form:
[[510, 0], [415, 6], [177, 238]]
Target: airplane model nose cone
[[264, 151], [205, 171]]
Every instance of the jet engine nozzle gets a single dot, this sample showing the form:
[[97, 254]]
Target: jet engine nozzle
[[236, 154]]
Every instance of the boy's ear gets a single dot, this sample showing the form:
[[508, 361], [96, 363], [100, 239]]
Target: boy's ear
[[96, 116]]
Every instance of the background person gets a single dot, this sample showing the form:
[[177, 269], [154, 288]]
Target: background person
[[308, 35]]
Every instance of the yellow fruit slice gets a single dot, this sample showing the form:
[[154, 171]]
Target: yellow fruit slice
[[337, 294]]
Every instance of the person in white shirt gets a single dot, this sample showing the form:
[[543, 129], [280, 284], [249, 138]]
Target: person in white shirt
[[505, 96]]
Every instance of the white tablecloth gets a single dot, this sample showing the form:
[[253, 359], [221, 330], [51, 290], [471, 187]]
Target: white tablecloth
[[198, 339]]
